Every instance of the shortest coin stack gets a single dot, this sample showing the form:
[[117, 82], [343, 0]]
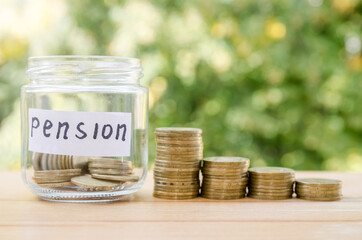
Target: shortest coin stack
[[319, 189], [177, 163], [224, 177], [271, 183]]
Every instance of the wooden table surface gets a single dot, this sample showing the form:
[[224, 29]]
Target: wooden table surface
[[25, 216]]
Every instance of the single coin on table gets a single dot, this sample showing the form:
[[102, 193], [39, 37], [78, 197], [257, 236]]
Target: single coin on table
[[87, 181]]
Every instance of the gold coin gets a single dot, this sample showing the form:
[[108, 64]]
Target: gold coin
[[176, 175], [227, 160], [262, 197], [113, 167], [180, 162], [176, 197], [172, 183], [57, 172], [51, 180], [178, 130], [271, 191], [87, 181], [178, 178], [271, 177], [180, 166], [176, 170], [120, 178], [224, 185], [317, 190], [271, 171], [243, 169], [179, 139], [329, 195], [318, 182], [178, 158], [110, 171], [55, 185], [171, 188], [321, 198], [223, 177], [161, 178], [175, 187], [222, 172], [221, 183], [165, 193], [222, 190], [170, 154], [176, 144], [172, 170], [44, 177], [270, 194], [222, 197], [253, 180], [110, 161], [271, 184], [179, 148]]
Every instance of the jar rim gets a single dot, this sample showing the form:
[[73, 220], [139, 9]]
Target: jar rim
[[84, 68]]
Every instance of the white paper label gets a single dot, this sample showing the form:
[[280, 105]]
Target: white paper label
[[80, 133]]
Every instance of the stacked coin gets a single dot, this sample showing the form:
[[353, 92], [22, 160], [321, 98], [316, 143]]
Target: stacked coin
[[271, 183], [319, 189], [55, 178], [177, 163], [44, 161], [110, 166], [224, 177]]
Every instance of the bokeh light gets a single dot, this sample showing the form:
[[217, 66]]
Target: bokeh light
[[278, 82]]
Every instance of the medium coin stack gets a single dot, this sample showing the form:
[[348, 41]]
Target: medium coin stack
[[177, 163], [224, 177], [319, 189], [55, 178], [271, 183]]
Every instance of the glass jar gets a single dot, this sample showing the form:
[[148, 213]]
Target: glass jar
[[84, 128]]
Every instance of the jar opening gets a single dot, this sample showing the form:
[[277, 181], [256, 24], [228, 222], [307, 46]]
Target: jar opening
[[84, 68]]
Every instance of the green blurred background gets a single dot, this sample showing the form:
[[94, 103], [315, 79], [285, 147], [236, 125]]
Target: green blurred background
[[277, 81]]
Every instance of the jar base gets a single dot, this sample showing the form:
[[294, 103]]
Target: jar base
[[60, 195], [125, 198]]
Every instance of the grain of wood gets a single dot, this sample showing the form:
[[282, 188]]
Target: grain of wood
[[25, 216]]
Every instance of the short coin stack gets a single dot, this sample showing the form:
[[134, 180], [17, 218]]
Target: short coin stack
[[271, 183], [55, 178], [224, 177], [109, 166], [319, 189], [177, 163]]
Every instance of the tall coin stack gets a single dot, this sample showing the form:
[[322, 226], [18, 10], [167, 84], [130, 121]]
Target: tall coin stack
[[319, 189], [271, 183], [177, 164], [224, 177]]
